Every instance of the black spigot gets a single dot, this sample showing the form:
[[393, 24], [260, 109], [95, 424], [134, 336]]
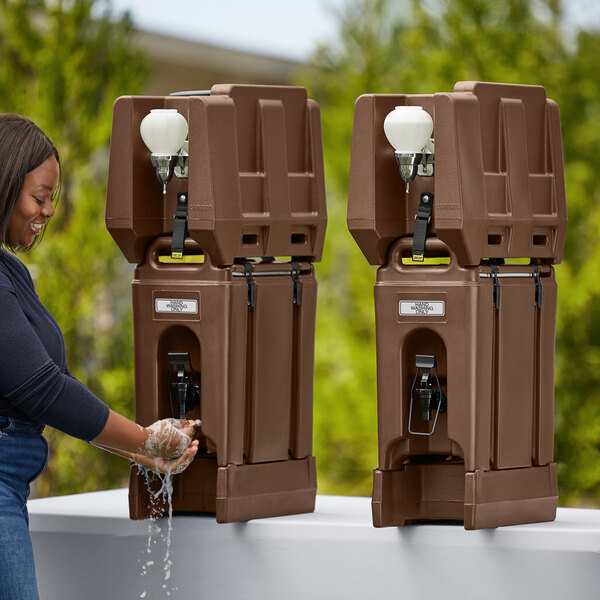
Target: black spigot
[[426, 398], [188, 394], [430, 398]]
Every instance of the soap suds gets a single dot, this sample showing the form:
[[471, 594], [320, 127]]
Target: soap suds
[[165, 440]]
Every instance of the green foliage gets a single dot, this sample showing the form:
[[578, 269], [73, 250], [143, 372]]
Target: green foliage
[[425, 47], [63, 64]]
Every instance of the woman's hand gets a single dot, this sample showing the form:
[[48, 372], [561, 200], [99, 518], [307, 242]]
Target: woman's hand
[[173, 466], [168, 438], [165, 447]]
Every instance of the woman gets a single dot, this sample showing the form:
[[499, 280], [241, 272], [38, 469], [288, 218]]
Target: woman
[[36, 388]]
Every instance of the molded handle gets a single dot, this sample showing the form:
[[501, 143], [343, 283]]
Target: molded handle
[[403, 247], [162, 244]]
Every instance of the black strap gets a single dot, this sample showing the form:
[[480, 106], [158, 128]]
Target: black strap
[[422, 226], [180, 222]]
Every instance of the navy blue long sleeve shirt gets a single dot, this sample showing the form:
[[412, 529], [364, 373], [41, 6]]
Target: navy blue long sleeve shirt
[[35, 384]]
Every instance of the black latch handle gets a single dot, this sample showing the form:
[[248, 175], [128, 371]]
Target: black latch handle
[[422, 225], [496, 290], [251, 285], [180, 225], [297, 284], [538, 286]]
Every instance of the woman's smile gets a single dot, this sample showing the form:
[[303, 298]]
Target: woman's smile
[[34, 206]]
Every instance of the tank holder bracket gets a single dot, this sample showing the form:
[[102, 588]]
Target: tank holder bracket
[[429, 398]]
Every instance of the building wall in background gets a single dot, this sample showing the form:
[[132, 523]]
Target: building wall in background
[[179, 65]]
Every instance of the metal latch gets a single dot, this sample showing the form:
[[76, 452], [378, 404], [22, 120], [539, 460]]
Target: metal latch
[[180, 223], [495, 276], [250, 275], [430, 398]]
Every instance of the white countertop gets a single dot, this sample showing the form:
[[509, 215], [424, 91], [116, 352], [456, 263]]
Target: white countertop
[[87, 547]]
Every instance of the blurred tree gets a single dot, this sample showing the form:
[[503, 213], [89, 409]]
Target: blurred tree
[[410, 46], [63, 63]]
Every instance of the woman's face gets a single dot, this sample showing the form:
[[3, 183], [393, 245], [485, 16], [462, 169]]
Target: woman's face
[[34, 204]]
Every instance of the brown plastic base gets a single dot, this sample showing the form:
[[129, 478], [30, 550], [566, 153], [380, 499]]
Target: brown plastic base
[[481, 499], [234, 493], [266, 490]]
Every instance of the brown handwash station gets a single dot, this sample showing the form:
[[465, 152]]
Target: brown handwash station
[[465, 330], [223, 327]]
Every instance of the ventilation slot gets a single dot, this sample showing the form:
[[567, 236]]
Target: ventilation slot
[[250, 239], [298, 238]]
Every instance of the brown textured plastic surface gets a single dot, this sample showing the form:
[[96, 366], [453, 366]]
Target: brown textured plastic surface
[[497, 369], [256, 184], [256, 369], [499, 179], [481, 499]]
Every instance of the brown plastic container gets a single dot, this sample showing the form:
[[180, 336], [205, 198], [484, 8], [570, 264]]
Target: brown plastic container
[[489, 326], [255, 365], [489, 460], [256, 184], [255, 189], [499, 178]]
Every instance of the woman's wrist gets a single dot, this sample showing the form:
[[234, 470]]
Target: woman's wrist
[[145, 436], [120, 433]]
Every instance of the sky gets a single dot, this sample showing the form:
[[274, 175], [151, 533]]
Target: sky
[[282, 28]]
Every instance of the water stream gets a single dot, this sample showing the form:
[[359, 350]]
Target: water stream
[[157, 499]]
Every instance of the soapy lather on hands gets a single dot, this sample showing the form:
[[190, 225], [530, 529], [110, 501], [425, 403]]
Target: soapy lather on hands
[[168, 448]]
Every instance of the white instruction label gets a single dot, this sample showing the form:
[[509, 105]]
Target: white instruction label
[[422, 308], [172, 305]]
